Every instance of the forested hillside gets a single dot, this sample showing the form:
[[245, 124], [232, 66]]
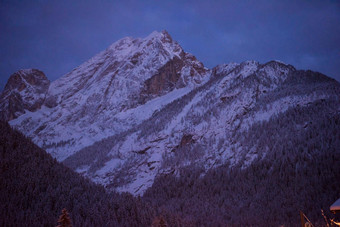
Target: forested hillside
[[297, 168], [35, 188]]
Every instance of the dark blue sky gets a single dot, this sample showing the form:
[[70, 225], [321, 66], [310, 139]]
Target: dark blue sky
[[56, 36]]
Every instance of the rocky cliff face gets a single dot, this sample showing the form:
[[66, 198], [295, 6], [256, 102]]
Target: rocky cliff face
[[169, 76], [25, 90]]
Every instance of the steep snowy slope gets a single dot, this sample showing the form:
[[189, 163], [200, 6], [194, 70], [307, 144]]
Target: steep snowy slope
[[204, 126], [104, 95]]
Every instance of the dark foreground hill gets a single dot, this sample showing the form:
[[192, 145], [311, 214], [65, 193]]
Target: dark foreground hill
[[34, 188]]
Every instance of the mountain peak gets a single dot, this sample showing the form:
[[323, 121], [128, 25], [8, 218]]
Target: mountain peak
[[160, 35], [157, 44], [25, 90], [25, 77]]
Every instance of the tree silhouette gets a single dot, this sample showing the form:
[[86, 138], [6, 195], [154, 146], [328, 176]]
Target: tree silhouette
[[64, 219], [159, 222]]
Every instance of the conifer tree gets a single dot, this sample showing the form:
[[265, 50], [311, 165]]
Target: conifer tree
[[162, 222], [64, 219], [159, 222]]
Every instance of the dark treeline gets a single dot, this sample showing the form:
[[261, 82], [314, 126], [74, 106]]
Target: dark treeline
[[297, 168], [34, 188]]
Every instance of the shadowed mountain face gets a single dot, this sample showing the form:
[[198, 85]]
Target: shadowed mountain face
[[143, 108]]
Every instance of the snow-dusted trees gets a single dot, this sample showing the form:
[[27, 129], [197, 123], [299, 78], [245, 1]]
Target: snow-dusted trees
[[297, 168]]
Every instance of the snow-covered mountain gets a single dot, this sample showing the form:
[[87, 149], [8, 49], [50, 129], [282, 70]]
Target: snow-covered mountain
[[144, 107], [112, 92]]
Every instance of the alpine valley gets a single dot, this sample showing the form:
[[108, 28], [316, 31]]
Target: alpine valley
[[241, 144]]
